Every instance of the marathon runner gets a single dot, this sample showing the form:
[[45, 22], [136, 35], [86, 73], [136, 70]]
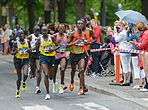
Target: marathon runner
[[21, 60], [61, 41], [47, 50], [34, 57], [77, 56]]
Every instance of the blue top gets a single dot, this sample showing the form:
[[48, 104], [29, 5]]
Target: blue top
[[131, 37]]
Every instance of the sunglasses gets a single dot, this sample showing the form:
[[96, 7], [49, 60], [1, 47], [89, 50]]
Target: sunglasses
[[79, 23]]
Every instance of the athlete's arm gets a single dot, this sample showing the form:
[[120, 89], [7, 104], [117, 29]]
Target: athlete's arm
[[53, 38], [37, 44], [29, 38], [14, 48], [69, 39], [54, 49]]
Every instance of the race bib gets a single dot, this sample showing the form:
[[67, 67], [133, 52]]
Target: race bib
[[80, 44], [23, 51], [62, 49], [46, 48], [33, 46]]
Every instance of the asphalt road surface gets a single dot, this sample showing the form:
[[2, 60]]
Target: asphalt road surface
[[67, 101]]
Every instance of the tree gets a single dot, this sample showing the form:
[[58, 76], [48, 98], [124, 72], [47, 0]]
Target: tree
[[103, 13], [30, 10], [61, 10], [144, 7], [48, 6], [80, 8], [3, 19]]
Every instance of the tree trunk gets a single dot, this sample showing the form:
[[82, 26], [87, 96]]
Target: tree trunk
[[103, 13], [61, 10], [48, 5], [80, 7], [145, 8], [47, 15], [3, 20], [12, 15], [31, 15]]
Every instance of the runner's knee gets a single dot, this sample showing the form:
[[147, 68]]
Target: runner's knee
[[19, 79]]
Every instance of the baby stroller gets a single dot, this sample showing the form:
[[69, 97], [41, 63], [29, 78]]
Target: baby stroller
[[106, 63]]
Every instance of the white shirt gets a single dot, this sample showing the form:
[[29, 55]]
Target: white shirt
[[122, 40]]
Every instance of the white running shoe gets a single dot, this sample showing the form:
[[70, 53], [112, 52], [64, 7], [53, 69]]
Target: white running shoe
[[47, 97], [37, 91], [61, 89], [143, 90], [136, 87]]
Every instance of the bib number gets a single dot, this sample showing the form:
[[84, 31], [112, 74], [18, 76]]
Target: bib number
[[46, 48], [61, 49], [23, 51]]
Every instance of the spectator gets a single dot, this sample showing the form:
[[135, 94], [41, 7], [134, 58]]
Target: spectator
[[96, 45], [125, 56], [1, 39], [7, 36], [134, 33], [40, 22], [142, 44]]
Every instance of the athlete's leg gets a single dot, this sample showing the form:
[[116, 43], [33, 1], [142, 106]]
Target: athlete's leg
[[81, 66], [73, 67], [38, 72], [33, 69], [25, 72], [19, 76], [62, 69], [55, 72], [46, 75]]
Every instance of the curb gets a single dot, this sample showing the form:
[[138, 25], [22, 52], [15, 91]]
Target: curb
[[112, 92]]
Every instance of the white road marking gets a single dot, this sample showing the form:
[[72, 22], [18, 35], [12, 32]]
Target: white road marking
[[91, 106], [146, 99], [37, 107]]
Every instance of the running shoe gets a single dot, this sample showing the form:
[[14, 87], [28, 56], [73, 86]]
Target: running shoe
[[18, 95], [64, 86], [71, 87], [47, 97], [81, 92], [136, 87], [54, 87], [37, 90], [144, 90], [61, 89], [85, 89], [24, 87]]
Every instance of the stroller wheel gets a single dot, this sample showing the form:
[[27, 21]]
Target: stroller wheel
[[112, 73], [103, 74], [88, 73]]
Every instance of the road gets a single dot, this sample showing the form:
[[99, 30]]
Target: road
[[67, 101]]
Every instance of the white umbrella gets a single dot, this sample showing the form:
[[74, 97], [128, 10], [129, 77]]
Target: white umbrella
[[131, 16]]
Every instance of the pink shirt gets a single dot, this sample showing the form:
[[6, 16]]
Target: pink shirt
[[61, 52], [97, 33]]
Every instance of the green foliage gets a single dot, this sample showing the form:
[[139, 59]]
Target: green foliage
[[111, 8], [95, 4], [70, 14]]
